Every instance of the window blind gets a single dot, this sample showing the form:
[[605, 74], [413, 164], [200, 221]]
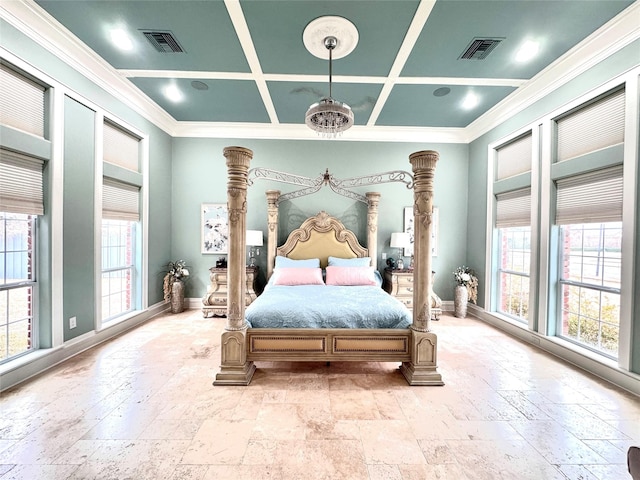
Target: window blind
[[514, 158], [20, 183], [513, 209], [590, 198], [21, 102], [120, 201], [593, 127], [121, 148]]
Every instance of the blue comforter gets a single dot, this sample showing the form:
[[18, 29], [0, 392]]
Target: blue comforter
[[327, 306]]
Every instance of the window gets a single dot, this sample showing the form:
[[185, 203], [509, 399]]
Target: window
[[590, 285], [120, 222], [513, 271], [17, 284], [118, 267], [513, 221]]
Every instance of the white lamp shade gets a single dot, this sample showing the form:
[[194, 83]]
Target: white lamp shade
[[400, 240], [254, 238]]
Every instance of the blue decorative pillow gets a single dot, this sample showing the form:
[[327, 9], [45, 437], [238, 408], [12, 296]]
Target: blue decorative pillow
[[349, 262], [284, 262]]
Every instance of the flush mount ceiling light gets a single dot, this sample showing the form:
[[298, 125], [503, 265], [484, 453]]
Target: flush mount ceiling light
[[527, 51], [120, 38], [332, 37]]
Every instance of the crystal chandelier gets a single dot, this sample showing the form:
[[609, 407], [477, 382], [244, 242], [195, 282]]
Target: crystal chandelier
[[329, 117]]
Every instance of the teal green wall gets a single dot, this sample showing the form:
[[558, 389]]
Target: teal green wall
[[604, 71], [79, 250], [200, 176]]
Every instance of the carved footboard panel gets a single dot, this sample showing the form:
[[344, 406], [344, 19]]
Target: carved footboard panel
[[328, 345]]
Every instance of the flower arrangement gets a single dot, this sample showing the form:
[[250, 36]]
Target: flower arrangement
[[466, 276], [178, 271]]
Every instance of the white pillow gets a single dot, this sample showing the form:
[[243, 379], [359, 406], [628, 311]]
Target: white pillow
[[291, 263], [349, 262]]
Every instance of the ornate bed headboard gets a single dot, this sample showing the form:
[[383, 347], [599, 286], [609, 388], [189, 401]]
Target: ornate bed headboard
[[322, 236]]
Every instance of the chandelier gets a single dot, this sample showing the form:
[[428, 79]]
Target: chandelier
[[329, 117]]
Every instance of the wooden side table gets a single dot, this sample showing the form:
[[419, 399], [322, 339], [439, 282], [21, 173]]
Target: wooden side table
[[214, 303], [399, 283]]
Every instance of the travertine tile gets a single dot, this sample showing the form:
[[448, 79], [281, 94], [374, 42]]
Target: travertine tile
[[142, 406]]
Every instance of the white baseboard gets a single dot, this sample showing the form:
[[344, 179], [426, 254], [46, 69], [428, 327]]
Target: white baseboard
[[27, 366]]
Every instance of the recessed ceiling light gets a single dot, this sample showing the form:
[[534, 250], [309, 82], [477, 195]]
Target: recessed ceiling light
[[527, 51], [173, 93], [470, 101], [121, 39]]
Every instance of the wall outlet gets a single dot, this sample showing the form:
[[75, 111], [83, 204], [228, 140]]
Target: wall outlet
[[384, 255], [72, 322]]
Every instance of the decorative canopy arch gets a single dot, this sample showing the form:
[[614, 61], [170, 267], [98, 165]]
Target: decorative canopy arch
[[341, 187]]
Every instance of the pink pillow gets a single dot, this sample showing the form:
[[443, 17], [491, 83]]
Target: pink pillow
[[297, 276], [351, 276]]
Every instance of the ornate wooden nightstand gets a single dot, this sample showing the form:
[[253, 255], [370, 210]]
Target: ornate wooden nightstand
[[215, 301], [399, 283]]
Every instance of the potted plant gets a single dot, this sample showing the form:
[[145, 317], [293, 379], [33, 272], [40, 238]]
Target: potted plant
[[466, 290], [173, 285]]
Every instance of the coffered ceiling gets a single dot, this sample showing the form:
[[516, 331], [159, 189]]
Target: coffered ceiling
[[244, 70]]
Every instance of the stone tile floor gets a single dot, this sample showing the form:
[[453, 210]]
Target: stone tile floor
[[142, 406]]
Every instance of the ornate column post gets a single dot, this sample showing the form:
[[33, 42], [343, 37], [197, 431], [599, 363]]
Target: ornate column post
[[373, 199], [272, 232], [422, 370], [234, 368]]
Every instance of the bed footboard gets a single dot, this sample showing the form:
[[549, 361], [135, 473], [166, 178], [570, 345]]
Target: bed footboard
[[389, 345]]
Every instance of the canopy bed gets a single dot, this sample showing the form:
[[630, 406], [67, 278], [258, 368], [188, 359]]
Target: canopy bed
[[324, 239]]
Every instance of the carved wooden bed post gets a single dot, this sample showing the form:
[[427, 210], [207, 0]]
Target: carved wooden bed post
[[422, 370], [234, 367], [272, 233], [373, 199]]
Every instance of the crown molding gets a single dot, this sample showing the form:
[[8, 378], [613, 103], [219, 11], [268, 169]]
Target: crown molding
[[357, 133]]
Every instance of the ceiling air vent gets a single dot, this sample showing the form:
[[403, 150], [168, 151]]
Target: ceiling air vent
[[479, 48], [163, 41]]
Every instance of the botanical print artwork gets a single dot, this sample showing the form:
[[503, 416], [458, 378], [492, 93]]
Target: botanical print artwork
[[215, 228]]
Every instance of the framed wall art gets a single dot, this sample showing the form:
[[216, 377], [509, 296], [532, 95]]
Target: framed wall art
[[408, 228], [215, 228]]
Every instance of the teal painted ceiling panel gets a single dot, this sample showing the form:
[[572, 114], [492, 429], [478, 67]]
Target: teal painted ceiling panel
[[223, 101], [202, 28], [292, 100], [417, 105], [453, 24], [277, 28]]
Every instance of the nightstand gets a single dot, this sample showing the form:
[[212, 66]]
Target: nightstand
[[215, 301], [399, 283]]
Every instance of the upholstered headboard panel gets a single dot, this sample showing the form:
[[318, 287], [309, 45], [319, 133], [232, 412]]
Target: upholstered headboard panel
[[322, 236]]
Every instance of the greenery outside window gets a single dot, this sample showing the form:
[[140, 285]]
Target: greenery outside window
[[589, 286]]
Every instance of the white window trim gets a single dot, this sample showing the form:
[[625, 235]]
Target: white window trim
[[142, 281]]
